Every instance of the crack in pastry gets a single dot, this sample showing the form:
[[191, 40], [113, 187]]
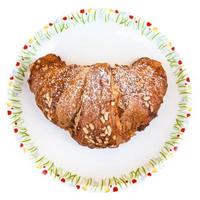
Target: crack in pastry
[[101, 106]]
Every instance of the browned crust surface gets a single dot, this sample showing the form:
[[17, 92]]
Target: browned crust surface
[[101, 106]]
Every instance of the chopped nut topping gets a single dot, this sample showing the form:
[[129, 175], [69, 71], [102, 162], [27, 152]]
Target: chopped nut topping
[[90, 136], [46, 109], [103, 111], [102, 135], [106, 115], [52, 81], [105, 142], [91, 126], [102, 119], [146, 98], [114, 137], [106, 138], [46, 96], [146, 104], [85, 130], [112, 103], [38, 61], [151, 108], [108, 130], [91, 141], [37, 66], [86, 136], [49, 100], [99, 140], [44, 68], [49, 117], [49, 103]]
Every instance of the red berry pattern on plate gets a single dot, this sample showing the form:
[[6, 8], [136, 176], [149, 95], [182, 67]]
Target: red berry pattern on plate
[[21, 145], [50, 24], [182, 130], [64, 18], [82, 11], [17, 64], [15, 130], [175, 148], [78, 187], [180, 62], [134, 181], [148, 24], [44, 172], [9, 112], [25, 47], [188, 79], [149, 174], [115, 189], [116, 11], [130, 16], [62, 180], [188, 115]]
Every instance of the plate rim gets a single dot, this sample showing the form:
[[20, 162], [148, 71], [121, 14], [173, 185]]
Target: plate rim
[[84, 16]]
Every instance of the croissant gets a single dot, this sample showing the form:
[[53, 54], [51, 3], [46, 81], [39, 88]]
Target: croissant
[[99, 105]]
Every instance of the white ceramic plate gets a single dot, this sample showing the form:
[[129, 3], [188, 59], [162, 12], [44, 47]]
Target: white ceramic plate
[[89, 36]]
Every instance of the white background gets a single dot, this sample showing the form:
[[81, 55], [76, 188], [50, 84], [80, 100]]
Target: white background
[[179, 20]]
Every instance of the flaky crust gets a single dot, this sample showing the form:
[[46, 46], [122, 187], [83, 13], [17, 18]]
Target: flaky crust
[[101, 106]]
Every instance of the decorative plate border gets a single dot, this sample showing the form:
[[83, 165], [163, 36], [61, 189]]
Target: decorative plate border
[[146, 29]]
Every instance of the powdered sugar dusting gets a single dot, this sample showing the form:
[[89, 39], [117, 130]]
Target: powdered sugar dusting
[[86, 100], [138, 81]]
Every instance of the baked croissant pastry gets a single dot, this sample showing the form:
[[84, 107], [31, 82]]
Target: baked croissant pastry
[[99, 105]]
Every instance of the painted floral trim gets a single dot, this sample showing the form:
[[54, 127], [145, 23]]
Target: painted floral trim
[[81, 17]]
